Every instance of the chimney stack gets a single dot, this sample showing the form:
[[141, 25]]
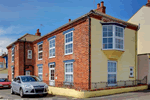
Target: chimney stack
[[148, 1], [101, 8], [69, 20], [38, 33], [98, 5]]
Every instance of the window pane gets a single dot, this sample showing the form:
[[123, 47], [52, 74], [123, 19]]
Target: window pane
[[105, 46], [104, 34], [104, 28], [110, 46], [109, 28], [104, 40], [110, 40], [40, 47], [110, 34]]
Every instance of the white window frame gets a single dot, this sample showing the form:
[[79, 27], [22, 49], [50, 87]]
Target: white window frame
[[111, 72], [12, 73], [114, 38], [41, 72], [51, 82], [27, 72], [132, 71], [52, 48], [29, 55], [71, 42], [40, 51], [13, 55], [69, 73]]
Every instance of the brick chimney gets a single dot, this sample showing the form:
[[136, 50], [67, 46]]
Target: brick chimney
[[38, 33], [148, 3], [69, 20], [101, 8]]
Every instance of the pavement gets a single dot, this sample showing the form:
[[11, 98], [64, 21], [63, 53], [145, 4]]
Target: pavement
[[138, 95]]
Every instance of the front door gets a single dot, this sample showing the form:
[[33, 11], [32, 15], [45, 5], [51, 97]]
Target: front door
[[112, 73], [51, 75]]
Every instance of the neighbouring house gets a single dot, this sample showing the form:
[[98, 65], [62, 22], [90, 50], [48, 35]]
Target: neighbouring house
[[142, 17], [3, 66], [95, 47]]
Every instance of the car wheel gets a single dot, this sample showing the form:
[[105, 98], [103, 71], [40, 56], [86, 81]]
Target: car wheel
[[21, 93], [44, 95], [12, 92]]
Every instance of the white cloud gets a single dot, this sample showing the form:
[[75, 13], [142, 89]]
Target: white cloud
[[12, 30], [4, 41]]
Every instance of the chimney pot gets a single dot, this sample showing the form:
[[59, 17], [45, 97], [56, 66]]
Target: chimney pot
[[102, 4], [69, 20], [98, 5], [148, 1], [38, 33]]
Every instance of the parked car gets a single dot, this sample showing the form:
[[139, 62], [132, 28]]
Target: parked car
[[28, 85], [5, 83]]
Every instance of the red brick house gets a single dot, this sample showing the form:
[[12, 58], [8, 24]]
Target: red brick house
[[67, 54]]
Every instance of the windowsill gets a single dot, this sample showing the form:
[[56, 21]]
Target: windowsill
[[131, 76], [68, 83], [114, 49], [52, 57], [69, 53], [40, 59], [29, 58], [12, 61]]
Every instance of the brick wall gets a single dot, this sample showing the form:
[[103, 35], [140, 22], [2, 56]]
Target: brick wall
[[80, 55]]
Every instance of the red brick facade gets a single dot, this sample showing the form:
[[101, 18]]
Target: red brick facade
[[80, 55]]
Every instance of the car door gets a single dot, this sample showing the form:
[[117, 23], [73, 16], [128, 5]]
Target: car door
[[18, 84], [13, 84]]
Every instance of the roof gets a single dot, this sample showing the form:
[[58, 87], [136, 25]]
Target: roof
[[92, 12], [28, 37]]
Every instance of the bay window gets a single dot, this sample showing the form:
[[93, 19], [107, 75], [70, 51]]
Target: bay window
[[113, 37]]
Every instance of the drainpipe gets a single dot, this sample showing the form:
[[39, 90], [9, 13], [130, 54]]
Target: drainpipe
[[24, 56], [89, 32]]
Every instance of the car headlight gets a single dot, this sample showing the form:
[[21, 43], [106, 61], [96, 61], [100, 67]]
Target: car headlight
[[28, 86], [1, 85]]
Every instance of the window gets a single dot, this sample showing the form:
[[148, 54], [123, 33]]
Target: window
[[69, 72], [12, 73], [131, 71], [29, 54], [113, 37], [40, 51], [12, 55], [69, 43], [112, 72], [27, 72], [52, 48], [40, 72]]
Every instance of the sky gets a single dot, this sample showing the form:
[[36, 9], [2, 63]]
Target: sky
[[18, 17]]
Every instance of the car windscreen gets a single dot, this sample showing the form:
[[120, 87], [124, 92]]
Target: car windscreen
[[29, 79], [3, 80]]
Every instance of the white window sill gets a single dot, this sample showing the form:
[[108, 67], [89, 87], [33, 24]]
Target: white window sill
[[29, 58], [52, 57], [68, 53], [40, 59], [114, 49]]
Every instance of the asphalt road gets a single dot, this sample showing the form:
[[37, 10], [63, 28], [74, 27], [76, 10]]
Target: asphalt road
[[139, 95]]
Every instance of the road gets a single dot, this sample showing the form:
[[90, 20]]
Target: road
[[139, 95]]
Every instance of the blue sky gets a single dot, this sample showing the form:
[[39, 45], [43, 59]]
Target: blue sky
[[18, 17]]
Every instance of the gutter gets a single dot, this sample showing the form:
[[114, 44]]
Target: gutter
[[89, 33], [24, 56]]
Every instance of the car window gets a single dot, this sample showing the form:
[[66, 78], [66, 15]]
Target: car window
[[3, 80], [30, 79]]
